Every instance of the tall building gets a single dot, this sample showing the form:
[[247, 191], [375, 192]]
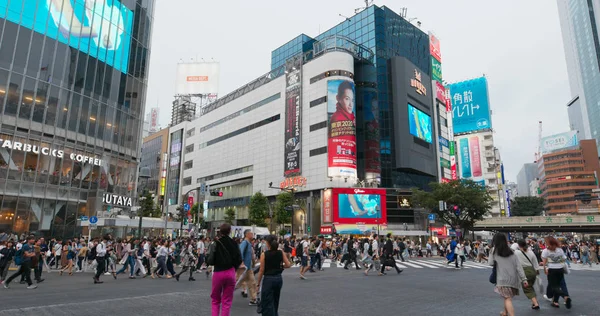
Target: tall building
[[568, 169], [72, 108], [528, 173], [154, 155], [579, 24], [324, 121], [386, 34]]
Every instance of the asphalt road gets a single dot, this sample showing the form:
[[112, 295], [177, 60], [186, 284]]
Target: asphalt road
[[335, 291]]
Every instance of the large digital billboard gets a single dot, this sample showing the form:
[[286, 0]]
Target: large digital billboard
[[341, 138], [470, 105], [372, 136], [470, 157], [100, 28], [559, 141], [419, 123], [359, 206]]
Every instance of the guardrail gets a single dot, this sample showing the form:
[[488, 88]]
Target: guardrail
[[540, 221]]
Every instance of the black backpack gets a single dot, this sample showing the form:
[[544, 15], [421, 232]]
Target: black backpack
[[299, 249], [92, 253], [370, 251]]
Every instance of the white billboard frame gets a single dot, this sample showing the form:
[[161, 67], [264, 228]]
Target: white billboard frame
[[197, 78]]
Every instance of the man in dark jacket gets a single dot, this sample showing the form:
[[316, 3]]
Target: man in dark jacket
[[388, 256], [227, 258]]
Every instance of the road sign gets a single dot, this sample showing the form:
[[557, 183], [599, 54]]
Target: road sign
[[431, 217], [93, 220], [186, 207], [84, 218]]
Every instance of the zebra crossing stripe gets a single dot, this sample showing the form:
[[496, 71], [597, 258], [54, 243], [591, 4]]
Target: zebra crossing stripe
[[437, 264], [410, 264], [400, 266], [427, 265]]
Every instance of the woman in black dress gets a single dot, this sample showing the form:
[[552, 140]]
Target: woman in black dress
[[272, 263]]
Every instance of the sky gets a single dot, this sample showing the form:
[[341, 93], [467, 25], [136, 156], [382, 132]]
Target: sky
[[516, 44]]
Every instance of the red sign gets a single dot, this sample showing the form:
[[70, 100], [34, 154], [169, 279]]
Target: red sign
[[441, 231], [453, 167], [326, 229], [444, 180], [434, 47], [191, 201], [448, 105], [293, 182], [440, 92], [359, 206], [327, 207]]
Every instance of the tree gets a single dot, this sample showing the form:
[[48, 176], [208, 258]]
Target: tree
[[230, 215], [472, 199], [148, 207], [258, 209], [527, 206], [283, 203]]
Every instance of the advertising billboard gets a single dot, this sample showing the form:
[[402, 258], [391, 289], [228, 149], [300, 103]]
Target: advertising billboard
[[154, 119], [100, 28], [470, 105], [419, 123], [440, 92], [559, 141], [341, 138], [359, 206], [197, 78], [434, 47], [372, 136], [327, 206], [436, 70], [293, 117], [470, 157]]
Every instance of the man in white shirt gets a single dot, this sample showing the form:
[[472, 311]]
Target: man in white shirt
[[304, 259], [375, 245], [100, 257], [201, 249]]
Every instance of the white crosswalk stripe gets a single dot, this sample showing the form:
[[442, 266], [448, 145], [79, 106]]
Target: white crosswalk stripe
[[410, 264], [419, 264]]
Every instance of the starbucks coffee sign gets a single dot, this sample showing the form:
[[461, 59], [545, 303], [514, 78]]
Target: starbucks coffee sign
[[47, 151], [118, 200]]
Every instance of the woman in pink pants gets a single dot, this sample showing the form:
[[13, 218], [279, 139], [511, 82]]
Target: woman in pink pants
[[227, 258]]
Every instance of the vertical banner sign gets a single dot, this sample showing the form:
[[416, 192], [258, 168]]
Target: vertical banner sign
[[475, 156], [372, 138], [327, 207], [434, 47], [507, 203], [293, 114], [341, 138], [465, 166], [436, 70], [453, 167]]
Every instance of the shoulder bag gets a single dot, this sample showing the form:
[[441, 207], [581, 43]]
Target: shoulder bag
[[493, 275]]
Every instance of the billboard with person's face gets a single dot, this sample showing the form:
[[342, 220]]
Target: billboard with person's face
[[359, 206], [100, 28], [341, 137]]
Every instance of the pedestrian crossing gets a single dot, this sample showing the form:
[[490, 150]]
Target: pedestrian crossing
[[410, 264]]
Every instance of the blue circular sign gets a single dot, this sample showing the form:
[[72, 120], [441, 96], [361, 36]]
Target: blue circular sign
[[93, 219]]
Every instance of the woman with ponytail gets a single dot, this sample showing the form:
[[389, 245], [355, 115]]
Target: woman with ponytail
[[272, 263]]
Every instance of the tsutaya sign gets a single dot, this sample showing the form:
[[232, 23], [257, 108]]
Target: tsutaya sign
[[46, 151], [118, 200]]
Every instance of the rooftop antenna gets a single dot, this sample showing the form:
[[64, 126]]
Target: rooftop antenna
[[403, 12], [345, 17], [368, 3]]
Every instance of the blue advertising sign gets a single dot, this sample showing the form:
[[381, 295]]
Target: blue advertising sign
[[100, 28], [444, 142], [470, 105], [93, 219]]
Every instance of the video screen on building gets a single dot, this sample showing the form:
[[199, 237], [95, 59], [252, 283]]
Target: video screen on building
[[100, 28], [359, 205], [419, 123]]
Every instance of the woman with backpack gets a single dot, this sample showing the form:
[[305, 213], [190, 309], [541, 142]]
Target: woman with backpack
[[225, 257]]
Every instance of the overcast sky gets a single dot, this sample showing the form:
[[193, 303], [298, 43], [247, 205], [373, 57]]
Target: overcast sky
[[516, 44]]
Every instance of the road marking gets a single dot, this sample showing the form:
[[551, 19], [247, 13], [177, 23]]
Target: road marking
[[410, 264], [428, 265]]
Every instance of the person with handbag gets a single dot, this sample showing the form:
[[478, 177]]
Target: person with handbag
[[508, 274], [225, 257], [531, 268], [555, 268], [388, 256]]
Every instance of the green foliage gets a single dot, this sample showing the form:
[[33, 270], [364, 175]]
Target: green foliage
[[196, 208], [283, 201], [230, 215], [527, 206], [473, 200], [258, 209], [282, 232], [148, 207]]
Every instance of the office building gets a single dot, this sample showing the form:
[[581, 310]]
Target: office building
[[528, 173], [154, 157], [568, 168], [322, 118], [579, 25], [71, 109]]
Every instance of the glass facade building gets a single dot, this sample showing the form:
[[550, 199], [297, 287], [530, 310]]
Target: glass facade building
[[72, 91], [387, 35]]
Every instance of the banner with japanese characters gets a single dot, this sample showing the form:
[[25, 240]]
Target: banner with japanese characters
[[470, 106], [293, 115], [341, 140]]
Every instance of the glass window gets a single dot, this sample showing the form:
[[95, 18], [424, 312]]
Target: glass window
[[74, 108], [21, 50], [3, 87], [35, 54], [8, 213], [13, 94]]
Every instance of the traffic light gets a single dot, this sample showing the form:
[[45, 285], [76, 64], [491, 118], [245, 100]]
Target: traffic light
[[456, 210], [216, 193], [185, 221]]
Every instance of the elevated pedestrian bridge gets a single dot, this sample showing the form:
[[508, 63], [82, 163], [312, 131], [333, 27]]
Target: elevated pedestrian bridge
[[569, 223]]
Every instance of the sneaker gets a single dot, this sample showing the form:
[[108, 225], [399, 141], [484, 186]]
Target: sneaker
[[244, 294], [31, 287], [5, 285], [252, 303], [547, 299], [106, 273], [301, 277]]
